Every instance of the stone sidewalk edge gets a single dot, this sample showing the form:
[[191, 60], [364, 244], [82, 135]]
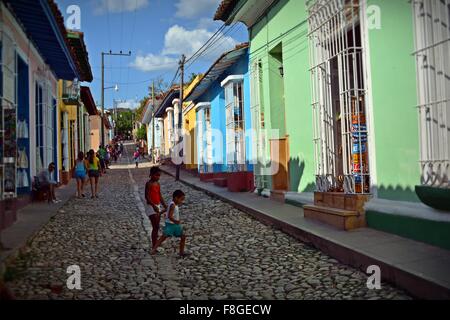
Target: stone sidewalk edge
[[417, 286]]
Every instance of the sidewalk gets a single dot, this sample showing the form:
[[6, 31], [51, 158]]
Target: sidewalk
[[30, 220], [420, 269]]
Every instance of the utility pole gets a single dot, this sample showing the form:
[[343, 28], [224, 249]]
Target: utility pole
[[180, 113], [153, 123], [110, 53]]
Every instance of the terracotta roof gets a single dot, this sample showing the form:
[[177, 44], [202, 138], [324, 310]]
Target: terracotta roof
[[225, 9], [81, 56], [88, 101]]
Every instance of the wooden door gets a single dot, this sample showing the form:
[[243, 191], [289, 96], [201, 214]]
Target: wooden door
[[279, 149]]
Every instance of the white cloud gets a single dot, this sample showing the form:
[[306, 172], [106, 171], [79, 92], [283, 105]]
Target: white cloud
[[117, 6], [151, 62], [178, 41], [192, 9]]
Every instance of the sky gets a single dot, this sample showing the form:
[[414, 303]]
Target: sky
[[157, 32]]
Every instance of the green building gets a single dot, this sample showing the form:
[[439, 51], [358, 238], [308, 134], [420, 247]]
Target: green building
[[353, 99]]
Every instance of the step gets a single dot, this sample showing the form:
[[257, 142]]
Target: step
[[347, 202], [278, 195], [221, 182], [341, 219]]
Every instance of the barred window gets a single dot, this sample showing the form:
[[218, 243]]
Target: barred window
[[45, 141], [235, 128], [432, 28], [339, 93]]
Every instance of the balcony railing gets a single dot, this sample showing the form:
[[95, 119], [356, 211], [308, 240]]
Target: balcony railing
[[71, 92]]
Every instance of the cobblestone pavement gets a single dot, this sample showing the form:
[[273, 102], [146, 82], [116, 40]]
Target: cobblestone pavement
[[234, 256]]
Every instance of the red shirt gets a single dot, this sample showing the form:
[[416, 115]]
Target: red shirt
[[154, 193]]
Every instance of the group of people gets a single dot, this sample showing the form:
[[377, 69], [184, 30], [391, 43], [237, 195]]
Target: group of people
[[171, 213], [90, 167]]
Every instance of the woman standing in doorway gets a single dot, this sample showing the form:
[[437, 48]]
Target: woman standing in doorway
[[94, 173], [80, 172]]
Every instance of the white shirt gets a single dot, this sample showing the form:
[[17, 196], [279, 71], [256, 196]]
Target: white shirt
[[176, 213]]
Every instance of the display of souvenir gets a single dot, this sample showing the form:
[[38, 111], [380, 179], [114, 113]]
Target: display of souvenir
[[359, 148]]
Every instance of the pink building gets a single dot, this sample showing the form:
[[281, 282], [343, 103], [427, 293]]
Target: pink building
[[34, 54]]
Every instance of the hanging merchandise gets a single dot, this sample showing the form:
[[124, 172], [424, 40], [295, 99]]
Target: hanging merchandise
[[19, 179], [23, 160], [25, 180], [39, 164], [359, 147], [22, 130]]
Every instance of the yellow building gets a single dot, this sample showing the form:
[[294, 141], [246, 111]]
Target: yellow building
[[189, 118], [73, 113]]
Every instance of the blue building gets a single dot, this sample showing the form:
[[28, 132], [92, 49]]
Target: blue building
[[153, 125], [224, 124]]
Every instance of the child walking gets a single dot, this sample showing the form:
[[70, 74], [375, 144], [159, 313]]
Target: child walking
[[173, 226], [136, 156], [155, 200]]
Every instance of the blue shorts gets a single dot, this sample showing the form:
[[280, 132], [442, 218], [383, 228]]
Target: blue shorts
[[80, 175], [173, 230]]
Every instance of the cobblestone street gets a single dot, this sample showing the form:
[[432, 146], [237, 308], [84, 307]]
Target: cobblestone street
[[233, 255]]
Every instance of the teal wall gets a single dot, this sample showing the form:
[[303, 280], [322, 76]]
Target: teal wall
[[394, 93], [285, 27]]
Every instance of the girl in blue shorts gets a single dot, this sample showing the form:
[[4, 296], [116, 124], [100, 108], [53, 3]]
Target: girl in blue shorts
[[80, 172]]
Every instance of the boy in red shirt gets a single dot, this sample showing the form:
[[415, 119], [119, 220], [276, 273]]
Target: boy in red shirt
[[156, 201]]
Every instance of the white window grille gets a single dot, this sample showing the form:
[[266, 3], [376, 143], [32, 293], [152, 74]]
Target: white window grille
[[432, 28], [87, 133], [339, 96], [45, 143], [204, 138], [258, 125], [170, 129], [65, 140], [235, 126]]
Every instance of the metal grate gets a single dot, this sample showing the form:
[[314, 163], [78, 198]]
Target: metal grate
[[432, 28], [258, 125], [235, 130], [204, 138], [339, 96]]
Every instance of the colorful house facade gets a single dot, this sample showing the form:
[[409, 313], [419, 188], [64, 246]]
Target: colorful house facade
[[73, 115], [35, 53], [166, 121], [222, 103], [334, 97], [190, 127], [154, 128]]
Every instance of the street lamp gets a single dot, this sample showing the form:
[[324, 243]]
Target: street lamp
[[110, 53]]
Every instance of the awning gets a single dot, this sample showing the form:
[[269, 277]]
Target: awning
[[43, 23], [216, 70], [88, 101]]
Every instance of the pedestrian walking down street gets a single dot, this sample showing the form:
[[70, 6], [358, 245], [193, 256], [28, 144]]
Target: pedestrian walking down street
[[136, 156], [80, 174], [94, 173], [156, 201], [101, 154], [173, 226]]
